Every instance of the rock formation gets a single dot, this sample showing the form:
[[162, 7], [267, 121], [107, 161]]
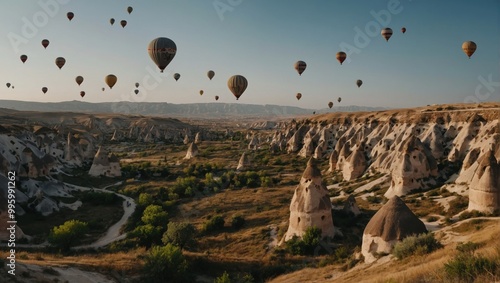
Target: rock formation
[[484, 190], [192, 151], [105, 165], [392, 223], [350, 206], [244, 163], [310, 206]]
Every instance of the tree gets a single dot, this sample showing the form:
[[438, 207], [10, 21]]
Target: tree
[[224, 278], [166, 264], [179, 234], [145, 199], [68, 234], [154, 215]]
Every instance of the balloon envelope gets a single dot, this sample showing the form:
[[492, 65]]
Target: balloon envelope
[[8, 85], [136, 84], [300, 67], [123, 23], [79, 80], [110, 80], [341, 57], [111, 21], [82, 93], [210, 74], [45, 43], [237, 84], [70, 15], [162, 50], [339, 99], [201, 92], [359, 83], [129, 9], [403, 29], [298, 96], [24, 58], [177, 76], [469, 47], [60, 61], [386, 33], [216, 97], [330, 104], [103, 89], [136, 91], [44, 89]]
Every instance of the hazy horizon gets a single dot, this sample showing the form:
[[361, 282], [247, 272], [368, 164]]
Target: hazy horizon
[[260, 40]]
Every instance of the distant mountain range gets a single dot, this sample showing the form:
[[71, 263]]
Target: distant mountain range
[[193, 110]]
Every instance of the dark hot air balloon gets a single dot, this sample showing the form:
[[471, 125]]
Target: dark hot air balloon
[[129, 9], [111, 21], [82, 93], [24, 58], [60, 61], [45, 43], [237, 84], [386, 33], [123, 23], [70, 15], [359, 83], [298, 96], [44, 89], [210, 74], [162, 50], [177, 76], [330, 104], [403, 29], [300, 67], [341, 56], [79, 80], [110, 80]]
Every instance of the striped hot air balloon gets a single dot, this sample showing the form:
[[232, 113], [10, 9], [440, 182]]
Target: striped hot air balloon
[[237, 84], [162, 50], [300, 66], [341, 56], [386, 33]]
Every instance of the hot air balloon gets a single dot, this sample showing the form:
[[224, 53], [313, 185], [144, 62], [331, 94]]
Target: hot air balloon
[[103, 89], [330, 104], [136, 84], [123, 23], [79, 80], [45, 43], [110, 80], [60, 61], [359, 83], [12, 87], [403, 29], [299, 95], [300, 66], [469, 47], [339, 99], [201, 92], [162, 50], [177, 76], [8, 85], [237, 84], [44, 89], [112, 21], [70, 15], [341, 56], [386, 33], [129, 9], [210, 74], [24, 58], [216, 97], [82, 93], [136, 91]]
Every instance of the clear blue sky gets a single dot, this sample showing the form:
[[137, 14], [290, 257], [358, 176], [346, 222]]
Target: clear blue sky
[[259, 39]]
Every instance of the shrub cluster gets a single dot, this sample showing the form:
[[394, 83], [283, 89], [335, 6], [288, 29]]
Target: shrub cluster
[[416, 245]]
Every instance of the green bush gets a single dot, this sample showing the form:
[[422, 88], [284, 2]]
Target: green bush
[[155, 215], [179, 234], [68, 234], [308, 244], [215, 223], [224, 278], [416, 245], [466, 267], [237, 221], [166, 264]]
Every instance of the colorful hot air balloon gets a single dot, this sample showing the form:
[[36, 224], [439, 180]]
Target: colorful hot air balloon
[[403, 29], [112, 21], [24, 58], [110, 80], [70, 15], [129, 9], [237, 84], [60, 61], [79, 80], [44, 89], [300, 66], [339, 99], [298, 96], [82, 93], [162, 50], [123, 23], [216, 97], [136, 84], [8, 85], [330, 104], [201, 92], [359, 83], [210, 74], [45, 43], [386, 33], [177, 76], [136, 91], [469, 47], [341, 56]]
